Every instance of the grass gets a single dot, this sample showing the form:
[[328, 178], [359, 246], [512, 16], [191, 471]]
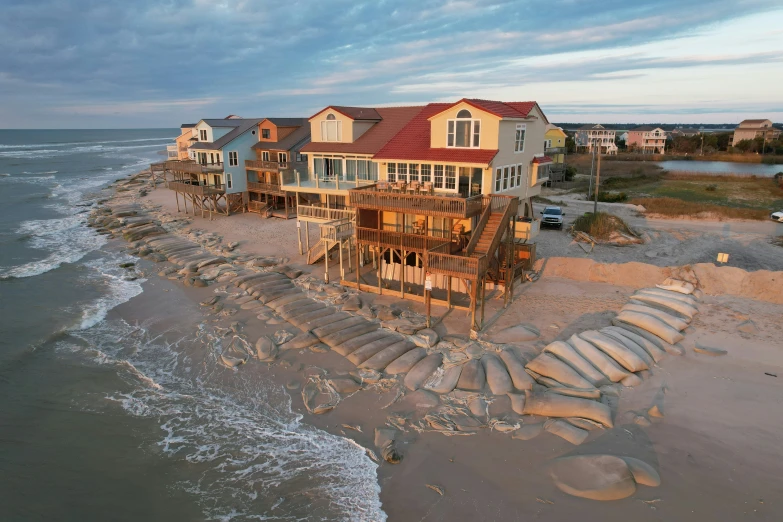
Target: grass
[[601, 225], [676, 207]]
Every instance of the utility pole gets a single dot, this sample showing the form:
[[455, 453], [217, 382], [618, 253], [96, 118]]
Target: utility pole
[[597, 181], [702, 145], [592, 167]]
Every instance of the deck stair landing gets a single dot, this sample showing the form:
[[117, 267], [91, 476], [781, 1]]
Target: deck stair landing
[[318, 251]]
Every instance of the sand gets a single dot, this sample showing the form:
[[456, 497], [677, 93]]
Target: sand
[[716, 449]]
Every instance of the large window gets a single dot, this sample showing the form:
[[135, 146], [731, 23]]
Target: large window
[[426, 170], [229, 179], [451, 177], [519, 139], [438, 176], [265, 155], [361, 169], [391, 172], [331, 129], [508, 177], [202, 135], [463, 131], [413, 172], [402, 172], [282, 157], [233, 160]]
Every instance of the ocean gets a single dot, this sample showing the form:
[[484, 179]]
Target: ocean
[[113, 406]]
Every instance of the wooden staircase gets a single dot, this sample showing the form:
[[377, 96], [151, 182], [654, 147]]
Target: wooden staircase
[[486, 236], [318, 251]]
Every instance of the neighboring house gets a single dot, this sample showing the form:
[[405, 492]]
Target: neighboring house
[[687, 132], [647, 139], [452, 183], [179, 150], [591, 136], [277, 155], [555, 148], [752, 129]]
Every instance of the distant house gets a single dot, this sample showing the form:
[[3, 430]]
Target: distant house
[[278, 154], [647, 139], [686, 132], [179, 151], [555, 148], [590, 136], [752, 129]]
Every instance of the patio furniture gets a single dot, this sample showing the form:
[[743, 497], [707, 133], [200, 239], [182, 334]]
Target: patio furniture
[[413, 187], [418, 226], [427, 188], [382, 185]]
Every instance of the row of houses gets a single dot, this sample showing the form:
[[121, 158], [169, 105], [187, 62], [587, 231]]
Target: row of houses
[[441, 192], [650, 139]]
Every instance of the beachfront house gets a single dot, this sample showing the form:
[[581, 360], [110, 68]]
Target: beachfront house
[[589, 137], [452, 186], [179, 150], [278, 154], [647, 139], [343, 141], [752, 129], [216, 181], [555, 148]]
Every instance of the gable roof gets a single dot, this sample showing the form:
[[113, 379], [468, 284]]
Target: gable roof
[[393, 119], [241, 126], [355, 113], [287, 143], [597, 126], [413, 142], [753, 122], [287, 122], [497, 108], [644, 128], [187, 125]]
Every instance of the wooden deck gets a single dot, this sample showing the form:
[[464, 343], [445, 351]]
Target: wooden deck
[[420, 204], [267, 166], [195, 190], [265, 188], [399, 240], [322, 215]]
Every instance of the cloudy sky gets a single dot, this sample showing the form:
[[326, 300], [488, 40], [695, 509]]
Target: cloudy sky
[[158, 63]]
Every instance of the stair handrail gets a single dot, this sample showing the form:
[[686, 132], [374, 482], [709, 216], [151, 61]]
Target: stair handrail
[[476, 234], [511, 209]]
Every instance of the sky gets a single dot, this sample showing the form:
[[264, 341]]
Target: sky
[[144, 63]]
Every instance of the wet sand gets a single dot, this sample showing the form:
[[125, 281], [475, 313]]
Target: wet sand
[[716, 448]]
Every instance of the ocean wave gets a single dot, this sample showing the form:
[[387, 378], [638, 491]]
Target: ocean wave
[[66, 240], [86, 149], [118, 289], [254, 457], [66, 144]]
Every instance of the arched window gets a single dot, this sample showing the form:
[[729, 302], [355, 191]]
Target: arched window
[[331, 129], [330, 117], [464, 131]]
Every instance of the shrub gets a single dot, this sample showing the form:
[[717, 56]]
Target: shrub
[[673, 207], [601, 225], [712, 187], [570, 172], [612, 197]]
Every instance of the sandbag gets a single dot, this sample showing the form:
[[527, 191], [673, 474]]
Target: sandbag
[[473, 376], [443, 380], [687, 299], [548, 404], [642, 472], [517, 402], [591, 393], [528, 431], [564, 430], [567, 354], [273, 295], [290, 297], [422, 370], [338, 338], [304, 340], [655, 351], [369, 356], [337, 326], [595, 477], [617, 351], [667, 347], [652, 325], [405, 362], [300, 310], [324, 321], [303, 319], [354, 344], [674, 322], [676, 285], [631, 381], [516, 370], [635, 348], [678, 306], [552, 367], [498, 378], [613, 371], [384, 441]]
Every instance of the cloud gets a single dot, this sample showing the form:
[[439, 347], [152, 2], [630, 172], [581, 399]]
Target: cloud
[[150, 62]]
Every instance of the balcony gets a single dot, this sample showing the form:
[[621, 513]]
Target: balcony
[[338, 230], [463, 267], [196, 190], [295, 180], [550, 151], [171, 151], [265, 188], [446, 206], [269, 166], [401, 241]]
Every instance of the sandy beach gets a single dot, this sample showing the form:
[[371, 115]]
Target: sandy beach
[[716, 447]]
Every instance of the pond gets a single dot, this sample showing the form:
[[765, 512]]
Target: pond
[[721, 167]]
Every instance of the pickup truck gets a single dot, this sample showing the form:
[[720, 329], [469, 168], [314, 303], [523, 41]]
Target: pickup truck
[[552, 217]]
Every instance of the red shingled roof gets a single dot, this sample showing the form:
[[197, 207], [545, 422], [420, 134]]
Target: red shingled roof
[[394, 119], [542, 159], [413, 143]]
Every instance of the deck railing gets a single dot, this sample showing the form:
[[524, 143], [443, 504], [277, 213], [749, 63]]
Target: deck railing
[[256, 206], [431, 205], [265, 165], [196, 190], [456, 265], [191, 167], [337, 230], [263, 187], [297, 178], [400, 240], [310, 212]]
